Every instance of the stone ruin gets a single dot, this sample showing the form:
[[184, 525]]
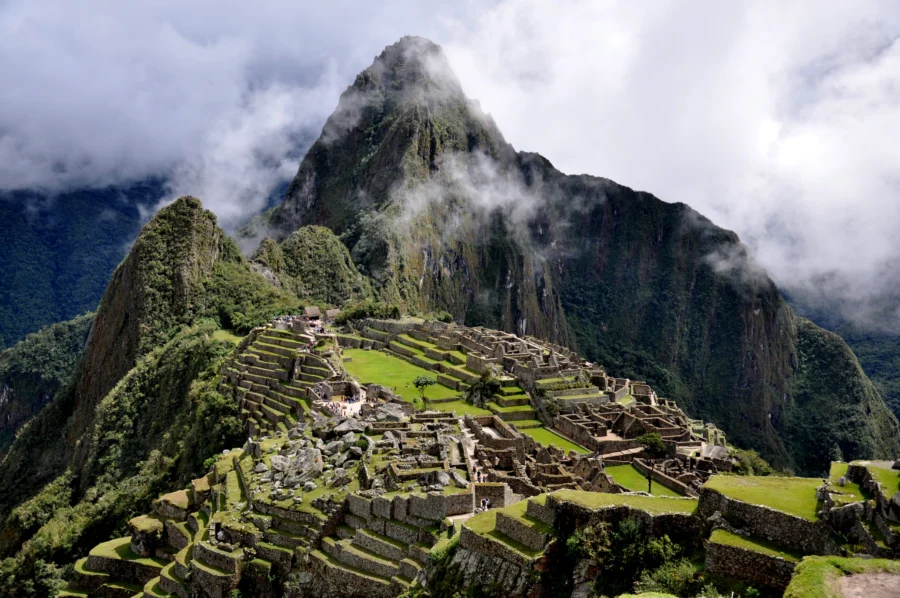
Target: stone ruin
[[342, 506]]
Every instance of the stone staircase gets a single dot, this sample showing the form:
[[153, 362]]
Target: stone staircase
[[273, 395], [383, 554]]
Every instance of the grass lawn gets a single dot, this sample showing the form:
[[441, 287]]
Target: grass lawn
[[120, 548], [795, 496], [651, 504], [226, 336], [460, 407], [889, 478], [726, 538], [850, 491], [633, 480], [815, 576], [398, 375], [549, 437], [485, 524]]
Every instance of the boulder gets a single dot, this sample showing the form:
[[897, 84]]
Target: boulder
[[458, 480], [261, 467], [333, 447], [309, 486], [348, 439], [350, 425], [896, 464]]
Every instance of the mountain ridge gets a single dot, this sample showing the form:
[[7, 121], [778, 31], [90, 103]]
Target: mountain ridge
[[442, 213]]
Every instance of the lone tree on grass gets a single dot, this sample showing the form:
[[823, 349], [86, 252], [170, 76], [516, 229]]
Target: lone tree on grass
[[654, 448], [423, 382]]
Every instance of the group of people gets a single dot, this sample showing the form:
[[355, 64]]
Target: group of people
[[480, 476]]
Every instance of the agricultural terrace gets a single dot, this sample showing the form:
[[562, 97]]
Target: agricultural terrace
[[398, 375], [631, 479], [795, 496]]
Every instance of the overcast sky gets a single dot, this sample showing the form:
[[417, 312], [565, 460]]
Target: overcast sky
[[777, 120]]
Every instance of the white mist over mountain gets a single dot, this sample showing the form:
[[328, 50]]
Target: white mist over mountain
[[775, 120]]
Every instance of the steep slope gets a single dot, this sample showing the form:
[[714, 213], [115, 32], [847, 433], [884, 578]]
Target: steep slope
[[314, 264], [143, 407], [34, 370], [442, 213], [59, 251]]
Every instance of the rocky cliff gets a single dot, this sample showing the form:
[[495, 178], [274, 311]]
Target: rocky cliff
[[442, 213]]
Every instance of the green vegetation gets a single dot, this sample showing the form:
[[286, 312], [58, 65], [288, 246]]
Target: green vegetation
[[460, 407], [152, 432], [795, 496], [627, 553], [726, 538], [815, 576], [35, 370], [317, 266], [367, 309], [632, 479], [548, 437], [884, 474], [59, 252], [387, 370], [750, 463], [652, 504], [226, 336], [422, 383]]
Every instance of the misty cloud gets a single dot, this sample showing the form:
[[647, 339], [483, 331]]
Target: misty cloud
[[776, 120]]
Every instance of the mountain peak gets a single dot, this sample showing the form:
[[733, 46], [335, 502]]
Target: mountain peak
[[409, 67]]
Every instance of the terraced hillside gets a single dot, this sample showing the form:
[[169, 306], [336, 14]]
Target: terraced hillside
[[417, 345], [272, 372]]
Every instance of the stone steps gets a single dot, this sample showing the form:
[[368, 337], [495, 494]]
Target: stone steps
[[339, 573], [86, 579], [152, 589], [171, 582], [513, 400], [359, 558], [381, 545]]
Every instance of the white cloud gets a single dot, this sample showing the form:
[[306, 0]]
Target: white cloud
[[777, 120]]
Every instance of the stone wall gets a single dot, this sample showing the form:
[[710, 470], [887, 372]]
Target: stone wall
[[747, 565], [787, 531], [499, 494], [661, 478]]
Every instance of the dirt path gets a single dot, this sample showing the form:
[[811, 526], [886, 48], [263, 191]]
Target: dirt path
[[870, 585]]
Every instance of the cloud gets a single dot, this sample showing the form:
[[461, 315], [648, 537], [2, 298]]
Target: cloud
[[776, 120], [219, 97]]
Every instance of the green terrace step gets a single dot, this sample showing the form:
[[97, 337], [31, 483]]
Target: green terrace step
[[345, 570], [726, 538], [120, 589], [69, 592], [385, 547], [152, 588], [527, 424]]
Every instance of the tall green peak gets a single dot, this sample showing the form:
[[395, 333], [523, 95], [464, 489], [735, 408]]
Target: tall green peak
[[441, 213]]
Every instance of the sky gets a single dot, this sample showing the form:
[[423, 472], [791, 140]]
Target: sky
[[776, 120]]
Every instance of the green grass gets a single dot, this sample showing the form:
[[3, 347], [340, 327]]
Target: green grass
[[654, 505], [632, 479], [889, 478], [795, 496], [227, 336], [120, 548], [548, 437], [485, 524], [378, 367], [726, 538], [815, 576], [460, 407], [850, 491]]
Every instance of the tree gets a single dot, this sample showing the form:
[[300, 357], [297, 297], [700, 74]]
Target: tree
[[423, 382], [654, 448]]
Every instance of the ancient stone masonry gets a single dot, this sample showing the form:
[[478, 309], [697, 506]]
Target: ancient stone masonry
[[361, 498]]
